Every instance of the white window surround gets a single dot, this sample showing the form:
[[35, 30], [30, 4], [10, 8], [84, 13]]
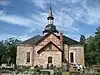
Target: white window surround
[[74, 57]]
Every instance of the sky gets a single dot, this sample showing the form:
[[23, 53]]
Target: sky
[[24, 19]]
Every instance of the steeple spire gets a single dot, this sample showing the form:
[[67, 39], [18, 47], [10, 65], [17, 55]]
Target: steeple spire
[[50, 16], [50, 13], [50, 28]]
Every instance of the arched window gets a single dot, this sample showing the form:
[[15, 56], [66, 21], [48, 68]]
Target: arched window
[[28, 57], [49, 59], [71, 57], [50, 47]]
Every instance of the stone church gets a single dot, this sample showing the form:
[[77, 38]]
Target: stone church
[[51, 48]]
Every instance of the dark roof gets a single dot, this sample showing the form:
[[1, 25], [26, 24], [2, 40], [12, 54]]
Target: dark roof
[[50, 28], [37, 38], [32, 40], [70, 41]]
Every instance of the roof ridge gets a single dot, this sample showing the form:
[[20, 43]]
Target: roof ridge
[[32, 38], [71, 39]]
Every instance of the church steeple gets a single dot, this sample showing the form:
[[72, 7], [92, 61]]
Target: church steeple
[[50, 28], [50, 16]]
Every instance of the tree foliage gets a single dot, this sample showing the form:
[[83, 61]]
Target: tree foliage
[[82, 39], [92, 49], [8, 50]]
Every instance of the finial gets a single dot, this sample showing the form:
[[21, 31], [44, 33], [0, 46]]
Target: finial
[[50, 13], [50, 7]]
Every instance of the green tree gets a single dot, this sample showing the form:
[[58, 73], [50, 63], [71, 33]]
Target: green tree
[[92, 49], [97, 38], [82, 39], [89, 51], [12, 49], [8, 50], [2, 49], [97, 43]]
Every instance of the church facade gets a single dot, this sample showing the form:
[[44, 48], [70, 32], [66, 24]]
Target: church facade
[[51, 48]]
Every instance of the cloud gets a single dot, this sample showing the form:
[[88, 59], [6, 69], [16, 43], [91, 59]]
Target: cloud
[[68, 15], [64, 22], [86, 11], [69, 1], [4, 2], [7, 36], [1, 12], [40, 19], [92, 16], [37, 20], [40, 3], [15, 19]]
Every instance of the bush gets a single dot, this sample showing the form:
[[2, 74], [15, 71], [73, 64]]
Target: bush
[[27, 70], [21, 69], [41, 67], [47, 66], [51, 66], [36, 66]]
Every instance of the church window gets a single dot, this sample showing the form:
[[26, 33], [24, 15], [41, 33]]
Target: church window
[[71, 57], [50, 47], [28, 57], [49, 59]]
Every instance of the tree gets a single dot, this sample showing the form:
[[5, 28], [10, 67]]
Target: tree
[[2, 49], [8, 50], [92, 49], [12, 47], [97, 43], [97, 38], [82, 39]]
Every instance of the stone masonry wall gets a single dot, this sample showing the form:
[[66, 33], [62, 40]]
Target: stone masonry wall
[[22, 55], [79, 54], [42, 58]]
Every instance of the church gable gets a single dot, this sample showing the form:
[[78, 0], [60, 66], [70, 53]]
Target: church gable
[[49, 47], [47, 38]]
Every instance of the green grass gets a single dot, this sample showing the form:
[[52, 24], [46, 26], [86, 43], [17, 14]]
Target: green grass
[[65, 73], [97, 72]]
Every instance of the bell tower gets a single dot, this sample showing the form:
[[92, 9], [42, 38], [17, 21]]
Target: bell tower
[[50, 27]]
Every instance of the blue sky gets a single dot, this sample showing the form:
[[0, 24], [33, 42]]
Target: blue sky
[[23, 19]]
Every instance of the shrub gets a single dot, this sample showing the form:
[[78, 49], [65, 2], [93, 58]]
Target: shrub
[[51, 66], [36, 66], [41, 67], [47, 66]]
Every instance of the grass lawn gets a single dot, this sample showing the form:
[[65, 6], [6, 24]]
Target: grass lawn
[[97, 72], [65, 73]]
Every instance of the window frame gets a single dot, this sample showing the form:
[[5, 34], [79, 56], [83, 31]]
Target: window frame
[[50, 47], [49, 59], [71, 57], [28, 57], [74, 59]]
